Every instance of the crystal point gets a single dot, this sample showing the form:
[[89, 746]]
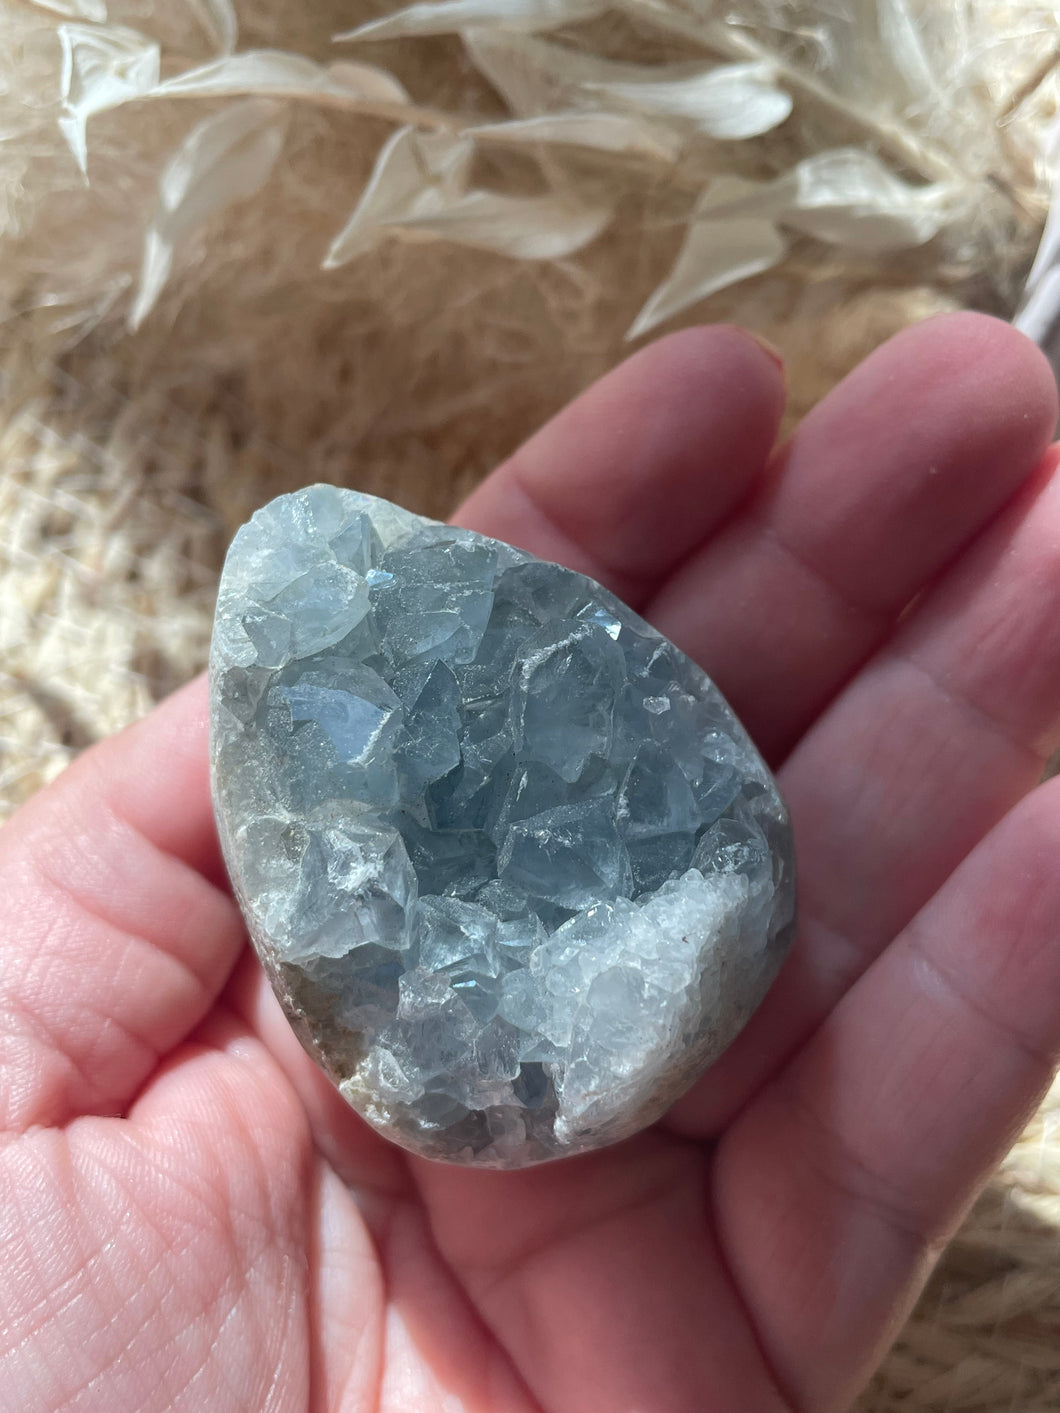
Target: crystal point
[[515, 870]]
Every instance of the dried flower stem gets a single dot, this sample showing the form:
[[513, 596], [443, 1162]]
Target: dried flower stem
[[1030, 85], [403, 114], [738, 46]]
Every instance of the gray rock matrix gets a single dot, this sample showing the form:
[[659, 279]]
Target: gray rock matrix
[[514, 868]]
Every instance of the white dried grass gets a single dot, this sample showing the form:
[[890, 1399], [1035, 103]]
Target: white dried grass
[[107, 572], [942, 107]]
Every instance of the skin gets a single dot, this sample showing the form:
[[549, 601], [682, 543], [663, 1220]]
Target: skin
[[191, 1219]]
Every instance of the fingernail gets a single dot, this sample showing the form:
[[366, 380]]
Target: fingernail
[[770, 349]]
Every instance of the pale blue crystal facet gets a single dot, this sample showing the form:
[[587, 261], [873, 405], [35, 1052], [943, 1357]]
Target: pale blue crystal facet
[[514, 868]]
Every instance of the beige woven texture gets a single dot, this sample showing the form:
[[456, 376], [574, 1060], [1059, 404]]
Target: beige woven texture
[[127, 461]]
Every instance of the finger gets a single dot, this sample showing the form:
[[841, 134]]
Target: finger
[[200, 1206], [112, 944], [158, 779], [838, 1186], [600, 1277], [624, 483], [924, 752], [882, 485]]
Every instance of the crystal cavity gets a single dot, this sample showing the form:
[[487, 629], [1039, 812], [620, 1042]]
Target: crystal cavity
[[515, 870]]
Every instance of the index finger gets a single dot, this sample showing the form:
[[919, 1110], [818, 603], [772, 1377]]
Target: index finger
[[641, 469], [885, 482]]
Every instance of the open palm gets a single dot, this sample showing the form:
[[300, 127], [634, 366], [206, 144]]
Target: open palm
[[190, 1218]]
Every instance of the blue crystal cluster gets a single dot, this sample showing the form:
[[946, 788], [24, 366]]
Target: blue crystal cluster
[[514, 868]]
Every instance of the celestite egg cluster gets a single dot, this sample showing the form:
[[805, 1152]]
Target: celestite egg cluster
[[514, 868]]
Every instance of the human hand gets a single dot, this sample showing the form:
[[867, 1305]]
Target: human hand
[[190, 1216]]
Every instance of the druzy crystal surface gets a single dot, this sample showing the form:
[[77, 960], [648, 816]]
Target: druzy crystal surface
[[515, 870]]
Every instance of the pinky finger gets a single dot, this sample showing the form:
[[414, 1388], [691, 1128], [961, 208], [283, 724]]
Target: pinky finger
[[853, 1168]]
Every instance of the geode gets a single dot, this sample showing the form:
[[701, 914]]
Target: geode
[[514, 868]]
